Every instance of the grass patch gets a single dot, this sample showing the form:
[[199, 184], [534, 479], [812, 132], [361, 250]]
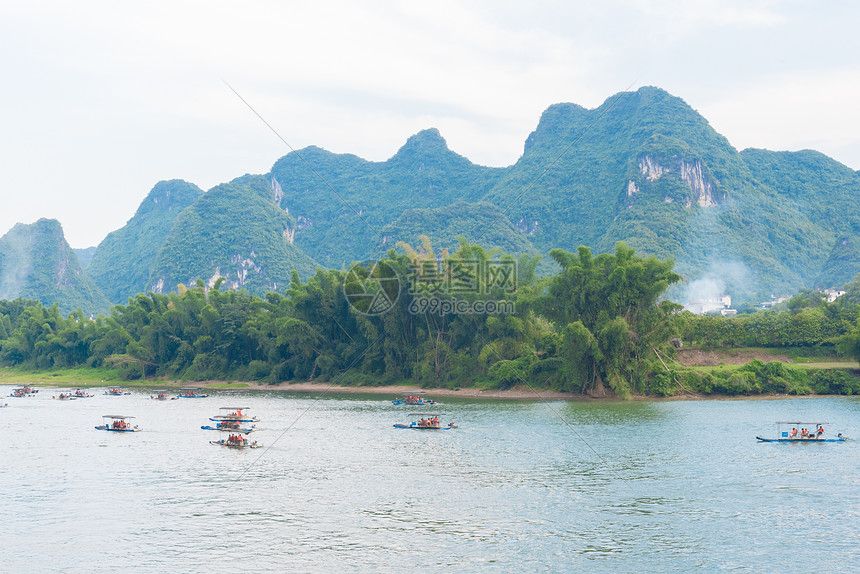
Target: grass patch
[[829, 365], [80, 376]]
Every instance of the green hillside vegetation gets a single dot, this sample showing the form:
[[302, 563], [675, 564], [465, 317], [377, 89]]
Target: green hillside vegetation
[[817, 198], [235, 231], [85, 255], [124, 260], [37, 263], [340, 219], [643, 168], [843, 260]]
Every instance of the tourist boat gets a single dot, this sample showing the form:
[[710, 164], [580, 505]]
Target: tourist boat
[[428, 421], [234, 414], [787, 432], [116, 392], [162, 396], [229, 426], [236, 442], [24, 391], [64, 396], [117, 423], [413, 399], [82, 394], [190, 394]]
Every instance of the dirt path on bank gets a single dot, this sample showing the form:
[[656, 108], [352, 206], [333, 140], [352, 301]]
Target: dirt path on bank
[[715, 358]]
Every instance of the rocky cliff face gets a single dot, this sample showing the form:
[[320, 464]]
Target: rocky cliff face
[[690, 172]]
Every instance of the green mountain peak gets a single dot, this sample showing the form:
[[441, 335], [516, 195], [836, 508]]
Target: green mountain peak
[[36, 262], [235, 231], [123, 261]]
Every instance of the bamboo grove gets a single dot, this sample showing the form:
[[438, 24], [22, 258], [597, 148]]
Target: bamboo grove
[[596, 327]]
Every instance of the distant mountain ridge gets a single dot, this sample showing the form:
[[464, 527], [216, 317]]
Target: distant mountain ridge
[[37, 263], [644, 168]]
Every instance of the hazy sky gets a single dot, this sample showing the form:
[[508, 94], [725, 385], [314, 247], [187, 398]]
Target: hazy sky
[[100, 100]]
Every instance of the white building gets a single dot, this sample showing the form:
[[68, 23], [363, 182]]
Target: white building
[[833, 294], [705, 306]]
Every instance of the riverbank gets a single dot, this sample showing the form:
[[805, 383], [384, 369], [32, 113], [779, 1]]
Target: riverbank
[[84, 377], [520, 392]]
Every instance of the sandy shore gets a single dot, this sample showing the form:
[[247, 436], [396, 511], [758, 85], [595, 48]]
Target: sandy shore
[[520, 392]]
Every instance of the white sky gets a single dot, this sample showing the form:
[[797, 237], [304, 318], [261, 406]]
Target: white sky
[[100, 100]]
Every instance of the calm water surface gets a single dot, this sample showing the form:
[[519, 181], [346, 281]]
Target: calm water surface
[[520, 486]]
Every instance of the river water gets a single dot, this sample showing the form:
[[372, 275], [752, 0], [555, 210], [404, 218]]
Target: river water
[[662, 486]]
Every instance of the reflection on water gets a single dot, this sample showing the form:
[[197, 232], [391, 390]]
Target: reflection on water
[[528, 486]]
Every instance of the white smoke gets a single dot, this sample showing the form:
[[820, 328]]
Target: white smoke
[[725, 277]]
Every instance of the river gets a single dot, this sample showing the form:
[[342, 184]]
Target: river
[[520, 486]]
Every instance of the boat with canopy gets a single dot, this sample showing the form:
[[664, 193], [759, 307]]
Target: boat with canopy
[[428, 421], [236, 441], [82, 394], [798, 431], [234, 415], [161, 395], [117, 423], [191, 393], [116, 392], [24, 391], [65, 396], [413, 399]]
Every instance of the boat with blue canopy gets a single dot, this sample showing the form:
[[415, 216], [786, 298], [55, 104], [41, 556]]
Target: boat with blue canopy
[[117, 423], [428, 421], [234, 415], [798, 431], [413, 399]]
